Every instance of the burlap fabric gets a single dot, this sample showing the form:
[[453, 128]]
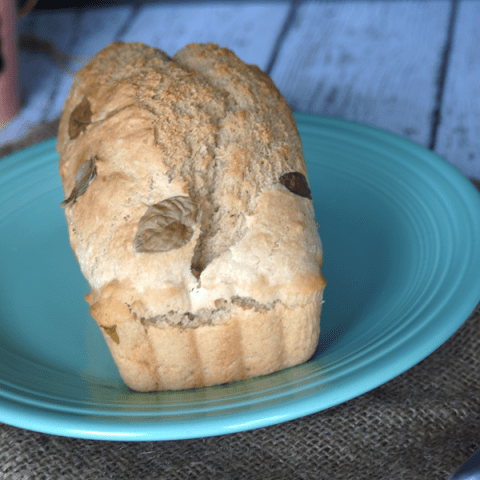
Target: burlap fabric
[[419, 426]]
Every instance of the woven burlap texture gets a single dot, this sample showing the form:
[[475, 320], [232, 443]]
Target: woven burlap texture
[[419, 426]]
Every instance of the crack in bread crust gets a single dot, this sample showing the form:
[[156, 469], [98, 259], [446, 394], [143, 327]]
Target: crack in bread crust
[[204, 316]]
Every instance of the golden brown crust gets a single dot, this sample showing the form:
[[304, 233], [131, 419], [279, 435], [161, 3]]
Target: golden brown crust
[[195, 228]]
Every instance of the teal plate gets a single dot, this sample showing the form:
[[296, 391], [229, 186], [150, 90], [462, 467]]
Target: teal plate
[[400, 229]]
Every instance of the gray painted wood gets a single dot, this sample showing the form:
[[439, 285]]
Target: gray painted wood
[[250, 29], [458, 137], [371, 62]]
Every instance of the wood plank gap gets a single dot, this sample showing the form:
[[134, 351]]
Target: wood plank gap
[[289, 21], [128, 22], [442, 74]]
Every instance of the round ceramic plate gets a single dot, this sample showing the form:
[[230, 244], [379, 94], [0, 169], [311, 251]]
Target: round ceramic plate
[[400, 229]]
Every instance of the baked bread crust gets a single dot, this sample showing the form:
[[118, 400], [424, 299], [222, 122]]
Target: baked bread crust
[[189, 213]]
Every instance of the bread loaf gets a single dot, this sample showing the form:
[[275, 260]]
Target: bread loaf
[[190, 215]]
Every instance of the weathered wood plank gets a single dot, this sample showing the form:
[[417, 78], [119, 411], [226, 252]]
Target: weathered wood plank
[[249, 29], [371, 62], [458, 137]]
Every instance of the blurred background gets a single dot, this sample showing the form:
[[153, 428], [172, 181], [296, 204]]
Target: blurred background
[[406, 66]]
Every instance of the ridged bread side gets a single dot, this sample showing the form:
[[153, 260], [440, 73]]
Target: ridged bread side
[[249, 342]]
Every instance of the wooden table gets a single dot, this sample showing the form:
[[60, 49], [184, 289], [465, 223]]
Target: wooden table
[[410, 67]]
